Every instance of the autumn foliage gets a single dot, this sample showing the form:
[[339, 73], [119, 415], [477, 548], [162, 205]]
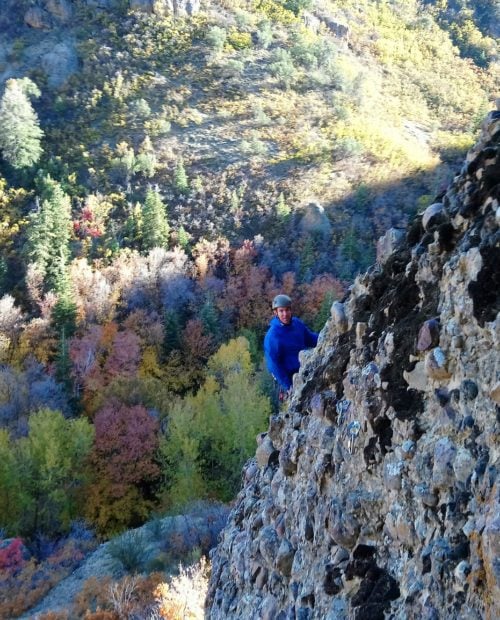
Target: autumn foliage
[[124, 467]]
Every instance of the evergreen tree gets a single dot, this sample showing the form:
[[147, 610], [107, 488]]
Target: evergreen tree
[[63, 363], [282, 208], [124, 164], [49, 234], [235, 201], [64, 312], [172, 331], [307, 259], [183, 238], [321, 317], [208, 316], [64, 322], [181, 182], [155, 228], [133, 225], [20, 133], [146, 162]]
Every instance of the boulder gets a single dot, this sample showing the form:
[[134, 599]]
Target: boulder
[[389, 243], [36, 17], [60, 63], [60, 9], [315, 220]]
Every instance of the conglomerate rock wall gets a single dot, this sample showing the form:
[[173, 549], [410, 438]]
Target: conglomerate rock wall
[[375, 493]]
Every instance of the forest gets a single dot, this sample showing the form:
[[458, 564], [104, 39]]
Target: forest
[[157, 190]]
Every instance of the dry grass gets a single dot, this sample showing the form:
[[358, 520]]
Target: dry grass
[[183, 598]]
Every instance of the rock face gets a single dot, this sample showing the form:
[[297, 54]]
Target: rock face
[[173, 7], [52, 12], [60, 62], [382, 497]]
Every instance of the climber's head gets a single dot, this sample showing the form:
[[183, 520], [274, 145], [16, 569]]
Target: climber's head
[[282, 308]]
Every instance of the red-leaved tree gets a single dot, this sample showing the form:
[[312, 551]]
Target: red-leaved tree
[[124, 467], [249, 289], [100, 356]]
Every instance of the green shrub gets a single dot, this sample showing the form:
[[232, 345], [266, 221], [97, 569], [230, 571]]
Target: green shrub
[[239, 40], [127, 551], [216, 38], [282, 67], [265, 34], [232, 68], [253, 147], [297, 6], [276, 11]]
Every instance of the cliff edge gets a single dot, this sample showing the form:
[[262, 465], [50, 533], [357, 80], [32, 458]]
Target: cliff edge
[[375, 493]]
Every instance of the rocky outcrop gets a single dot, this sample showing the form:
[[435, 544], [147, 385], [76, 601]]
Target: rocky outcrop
[[375, 493], [50, 13], [179, 8]]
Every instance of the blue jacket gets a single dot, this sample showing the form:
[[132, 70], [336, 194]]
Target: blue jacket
[[281, 348]]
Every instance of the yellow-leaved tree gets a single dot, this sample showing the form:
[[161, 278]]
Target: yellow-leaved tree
[[42, 474], [210, 434]]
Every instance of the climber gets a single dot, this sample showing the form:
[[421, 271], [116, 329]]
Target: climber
[[286, 336]]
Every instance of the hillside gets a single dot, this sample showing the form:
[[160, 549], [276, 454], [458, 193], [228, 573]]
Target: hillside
[[352, 105], [166, 168], [374, 492]]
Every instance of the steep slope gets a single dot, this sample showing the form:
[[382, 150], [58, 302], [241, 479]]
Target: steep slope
[[341, 103], [375, 493]]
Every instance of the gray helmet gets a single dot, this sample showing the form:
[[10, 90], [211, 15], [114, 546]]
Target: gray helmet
[[281, 301]]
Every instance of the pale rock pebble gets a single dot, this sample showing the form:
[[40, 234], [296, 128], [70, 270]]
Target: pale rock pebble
[[264, 452], [436, 364], [433, 215], [269, 607], [36, 17], [339, 318], [463, 465], [417, 378], [284, 557], [444, 456], [389, 243], [392, 475], [495, 393]]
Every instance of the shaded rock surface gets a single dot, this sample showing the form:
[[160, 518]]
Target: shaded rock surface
[[384, 501]]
